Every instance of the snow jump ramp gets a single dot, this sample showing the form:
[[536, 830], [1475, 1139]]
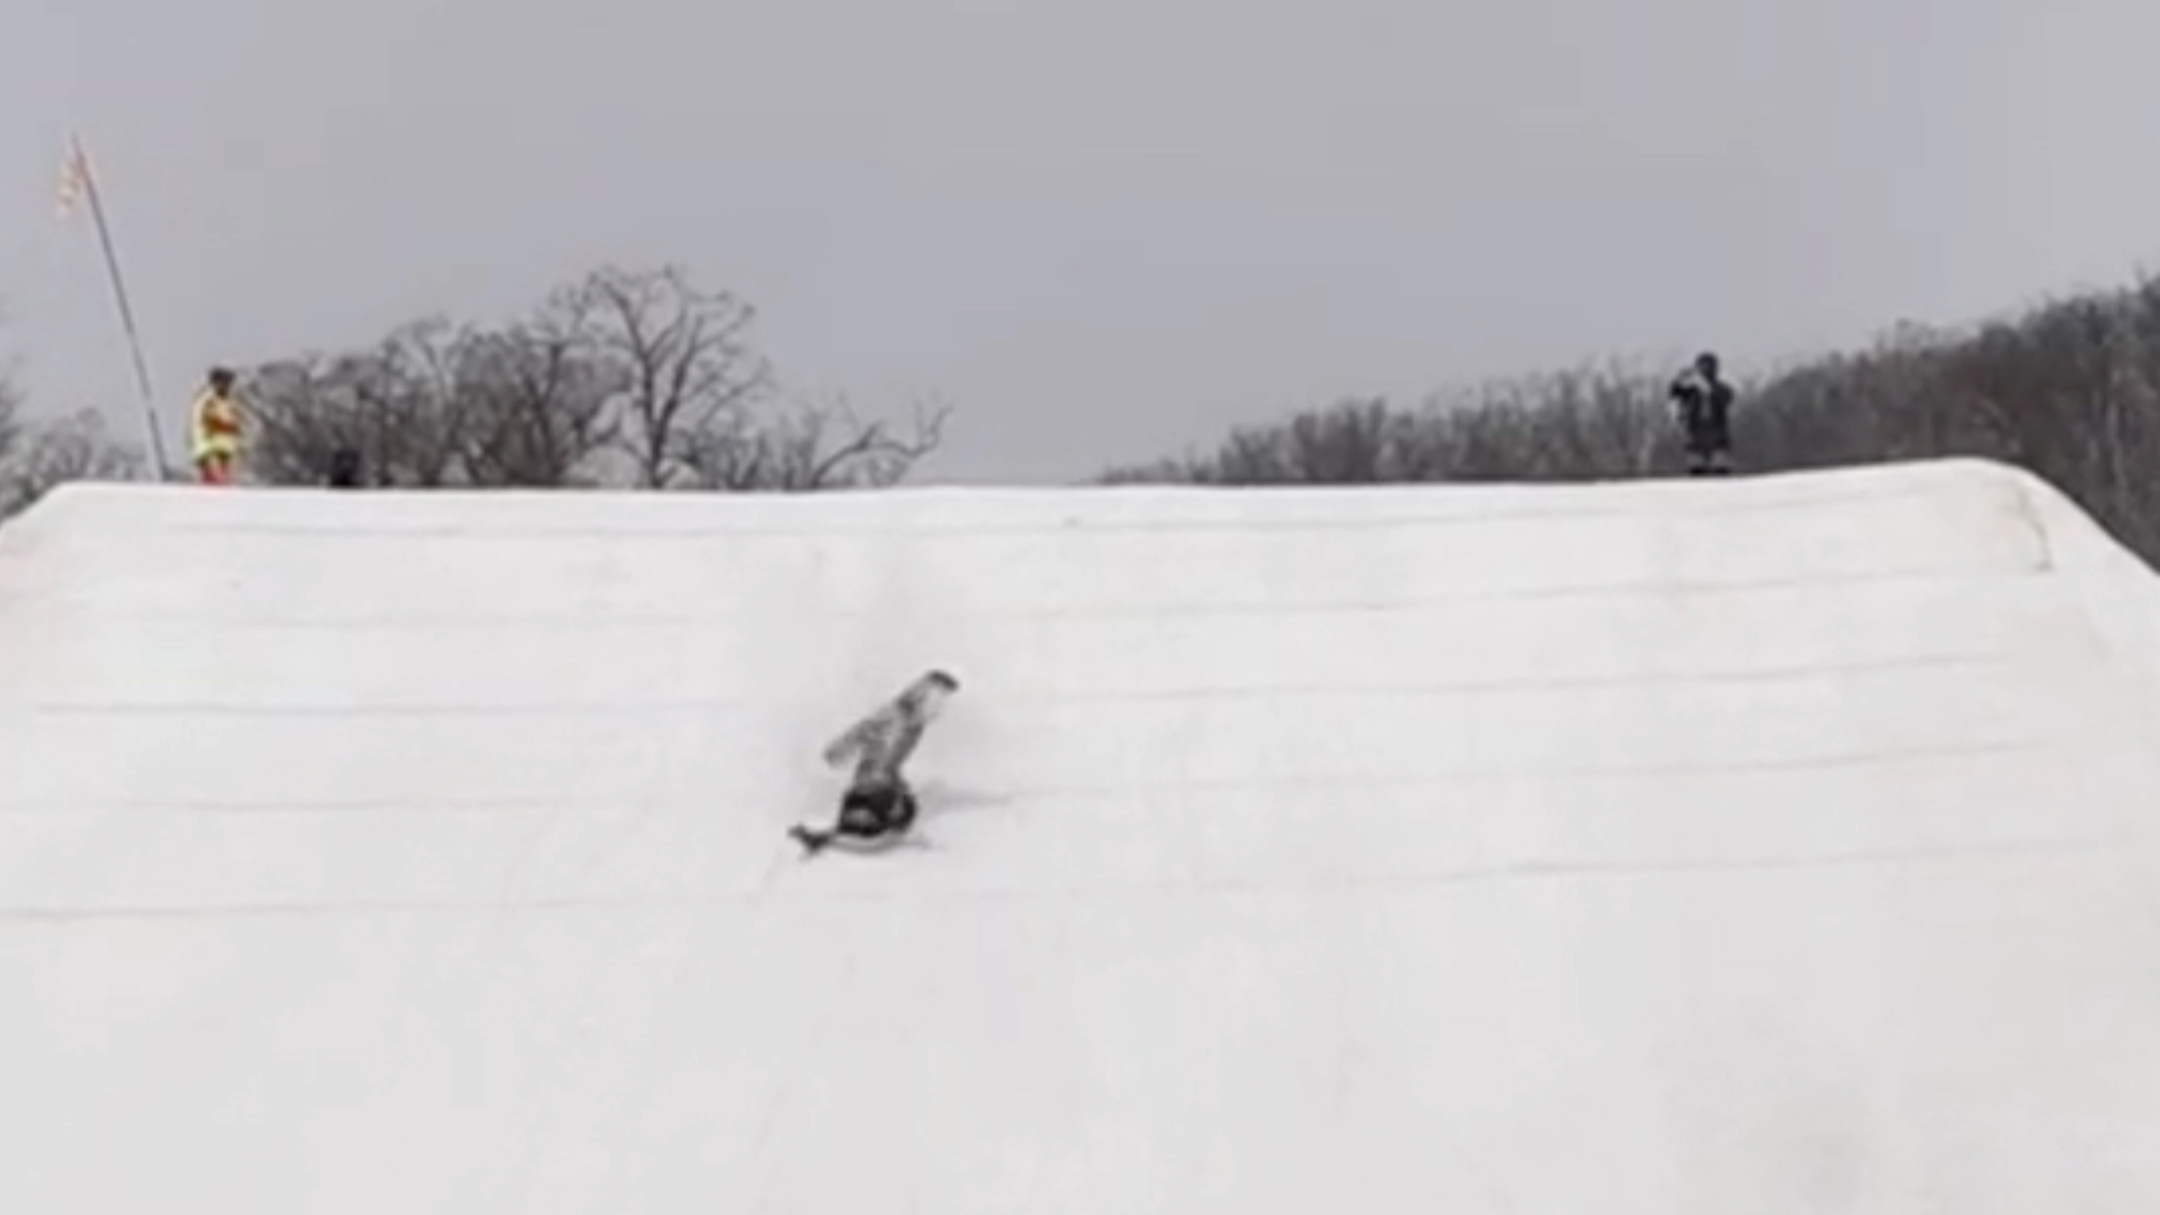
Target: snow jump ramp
[[1778, 845]]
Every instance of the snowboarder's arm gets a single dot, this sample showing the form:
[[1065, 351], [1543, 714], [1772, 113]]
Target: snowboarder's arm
[[840, 749]]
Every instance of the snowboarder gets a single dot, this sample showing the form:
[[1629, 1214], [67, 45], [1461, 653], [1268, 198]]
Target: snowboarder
[[1705, 405], [878, 805]]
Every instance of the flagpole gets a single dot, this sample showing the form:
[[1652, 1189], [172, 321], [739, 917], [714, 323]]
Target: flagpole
[[88, 181]]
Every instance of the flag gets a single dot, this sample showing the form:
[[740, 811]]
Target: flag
[[74, 179]]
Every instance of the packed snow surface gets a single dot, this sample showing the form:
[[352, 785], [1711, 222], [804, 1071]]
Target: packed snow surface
[[1739, 847]]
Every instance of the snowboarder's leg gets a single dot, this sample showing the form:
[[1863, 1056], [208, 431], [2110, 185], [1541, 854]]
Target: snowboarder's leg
[[1702, 456], [878, 814], [869, 813], [1714, 448], [865, 812], [903, 810]]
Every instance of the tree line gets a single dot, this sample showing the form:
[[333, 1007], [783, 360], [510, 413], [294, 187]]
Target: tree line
[[38, 454], [622, 378], [2068, 388], [645, 378]]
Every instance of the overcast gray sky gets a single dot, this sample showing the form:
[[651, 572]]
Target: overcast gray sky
[[1102, 229]]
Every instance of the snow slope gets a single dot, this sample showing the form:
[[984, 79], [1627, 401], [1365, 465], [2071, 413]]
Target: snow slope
[[1779, 845]]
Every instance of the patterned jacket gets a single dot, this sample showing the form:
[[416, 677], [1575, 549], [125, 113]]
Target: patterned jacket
[[882, 742]]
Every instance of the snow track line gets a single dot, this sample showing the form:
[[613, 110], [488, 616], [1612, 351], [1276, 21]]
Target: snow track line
[[756, 893]]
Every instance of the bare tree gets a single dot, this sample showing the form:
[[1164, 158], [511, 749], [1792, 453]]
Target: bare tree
[[2069, 389], [1579, 424], [10, 416], [302, 410], [1583, 423], [421, 413], [37, 455], [11, 403], [687, 367], [537, 396], [621, 376], [806, 449], [1343, 445], [44, 455], [2140, 444], [436, 403]]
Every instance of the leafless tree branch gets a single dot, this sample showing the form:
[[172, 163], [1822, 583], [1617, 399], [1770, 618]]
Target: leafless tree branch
[[686, 361], [44, 455]]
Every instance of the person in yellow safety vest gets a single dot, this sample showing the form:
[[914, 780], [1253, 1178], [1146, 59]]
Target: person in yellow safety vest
[[216, 429]]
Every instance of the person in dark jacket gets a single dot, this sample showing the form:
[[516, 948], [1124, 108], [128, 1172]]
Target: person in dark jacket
[[345, 468], [1704, 404]]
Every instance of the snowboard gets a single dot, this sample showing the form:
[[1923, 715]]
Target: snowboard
[[814, 844]]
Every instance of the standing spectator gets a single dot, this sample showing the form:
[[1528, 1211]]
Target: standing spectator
[[345, 468], [1705, 407], [216, 429]]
